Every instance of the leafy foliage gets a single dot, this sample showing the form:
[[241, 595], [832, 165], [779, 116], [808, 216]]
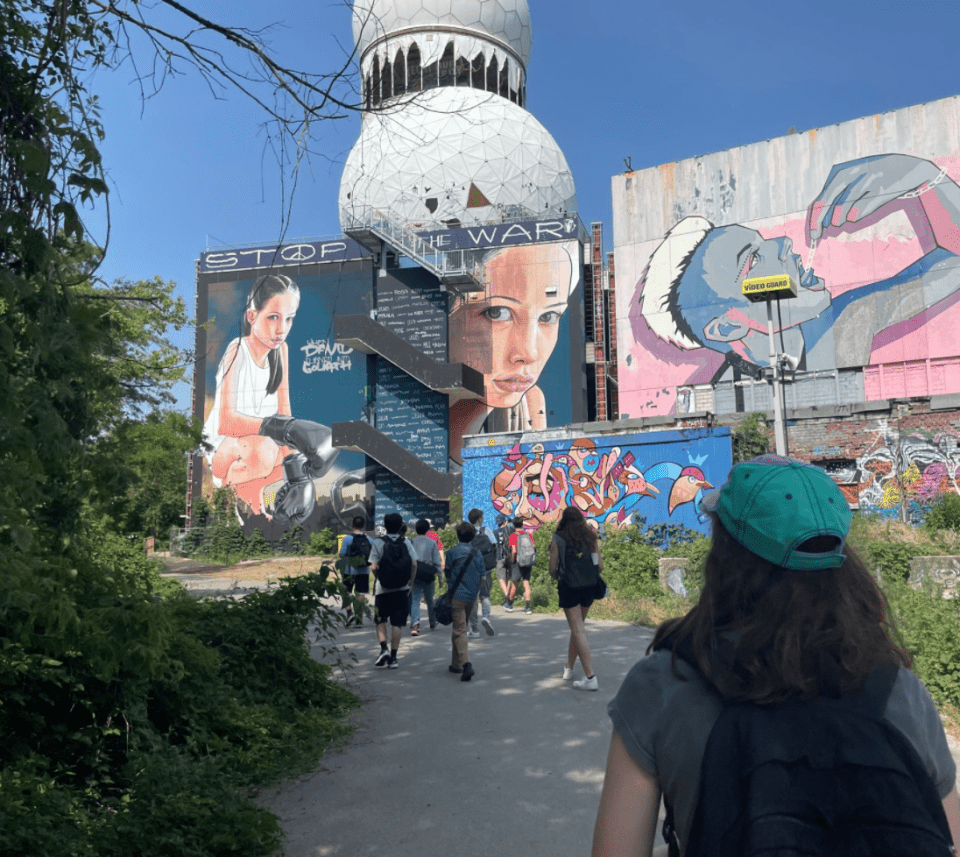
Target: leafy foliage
[[944, 514], [751, 437]]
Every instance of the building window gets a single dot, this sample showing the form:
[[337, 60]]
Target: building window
[[399, 74], [446, 66], [504, 80], [478, 72], [413, 68], [376, 80], [387, 88], [492, 73]]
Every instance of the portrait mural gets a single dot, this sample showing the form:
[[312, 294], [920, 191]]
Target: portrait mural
[[615, 480], [509, 333], [274, 382], [873, 253]]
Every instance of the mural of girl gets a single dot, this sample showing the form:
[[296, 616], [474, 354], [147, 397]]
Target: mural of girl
[[508, 332], [249, 428]]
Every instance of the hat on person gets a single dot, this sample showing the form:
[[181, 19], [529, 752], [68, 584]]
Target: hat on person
[[772, 505]]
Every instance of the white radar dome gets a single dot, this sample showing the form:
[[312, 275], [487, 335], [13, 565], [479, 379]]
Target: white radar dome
[[504, 21], [455, 156]]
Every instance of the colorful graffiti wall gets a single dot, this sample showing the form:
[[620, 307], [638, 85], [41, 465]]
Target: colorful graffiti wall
[[615, 480], [902, 473], [863, 216]]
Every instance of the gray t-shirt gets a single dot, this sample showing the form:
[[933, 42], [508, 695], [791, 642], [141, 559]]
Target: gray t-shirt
[[664, 724], [376, 554]]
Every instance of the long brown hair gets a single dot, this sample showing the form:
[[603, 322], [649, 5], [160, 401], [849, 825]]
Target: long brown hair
[[575, 531], [762, 633]]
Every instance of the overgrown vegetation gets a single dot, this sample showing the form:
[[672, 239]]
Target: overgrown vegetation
[[135, 719]]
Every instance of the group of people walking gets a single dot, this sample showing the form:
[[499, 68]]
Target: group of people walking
[[778, 716], [406, 571]]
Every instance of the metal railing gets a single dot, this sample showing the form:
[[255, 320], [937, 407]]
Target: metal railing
[[446, 265]]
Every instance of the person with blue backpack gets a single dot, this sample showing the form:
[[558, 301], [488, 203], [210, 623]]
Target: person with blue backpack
[[779, 716]]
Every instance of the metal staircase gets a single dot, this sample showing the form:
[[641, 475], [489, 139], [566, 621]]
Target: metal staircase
[[372, 228]]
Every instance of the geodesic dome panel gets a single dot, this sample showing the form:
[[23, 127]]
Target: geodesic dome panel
[[455, 156], [505, 21]]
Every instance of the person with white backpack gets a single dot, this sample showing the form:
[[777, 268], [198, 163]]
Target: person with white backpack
[[523, 555]]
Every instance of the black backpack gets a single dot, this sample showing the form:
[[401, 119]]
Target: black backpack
[[826, 778], [577, 568], [488, 550], [395, 566], [503, 541], [358, 552]]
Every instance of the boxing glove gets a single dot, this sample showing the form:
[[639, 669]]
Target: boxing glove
[[297, 496], [312, 439]]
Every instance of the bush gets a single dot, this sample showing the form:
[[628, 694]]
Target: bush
[[630, 564], [142, 725], [930, 627], [323, 543], [944, 514]]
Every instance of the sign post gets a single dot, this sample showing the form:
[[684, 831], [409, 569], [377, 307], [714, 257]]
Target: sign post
[[758, 289]]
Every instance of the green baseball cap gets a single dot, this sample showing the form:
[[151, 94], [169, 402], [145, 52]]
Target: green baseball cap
[[772, 505]]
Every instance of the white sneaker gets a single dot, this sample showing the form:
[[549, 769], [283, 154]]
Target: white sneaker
[[487, 626], [568, 674], [587, 684], [473, 635]]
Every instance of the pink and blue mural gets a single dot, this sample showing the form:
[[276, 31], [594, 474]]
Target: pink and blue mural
[[615, 480], [863, 216]]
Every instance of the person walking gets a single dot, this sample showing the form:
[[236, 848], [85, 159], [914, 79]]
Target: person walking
[[355, 569], [575, 564], [428, 570], [394, 564], [788, 667], [486, 542], [522, 558], [462, 557]]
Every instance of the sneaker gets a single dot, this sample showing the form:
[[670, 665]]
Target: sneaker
[[384, 659], [394, 664], [433, 627], [467, 672], [568, 674], [587, 684], [508, 606], [415, 631], [473, 635], [487, 626], [527, 610]]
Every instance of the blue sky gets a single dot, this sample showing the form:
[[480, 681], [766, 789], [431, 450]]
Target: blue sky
[[609, 79]]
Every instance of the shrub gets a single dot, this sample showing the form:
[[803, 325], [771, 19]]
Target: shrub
[[944, 514], [630, 564], [323, 543]]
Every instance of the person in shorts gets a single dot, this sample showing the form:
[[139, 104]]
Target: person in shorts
[[520, 572], [393, 604], [354, 575], [575, 601]]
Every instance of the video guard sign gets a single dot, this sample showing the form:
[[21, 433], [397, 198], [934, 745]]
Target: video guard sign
[[756, 289]]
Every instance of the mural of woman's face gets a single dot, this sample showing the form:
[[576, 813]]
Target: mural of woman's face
[[509, 330], [729, 255]]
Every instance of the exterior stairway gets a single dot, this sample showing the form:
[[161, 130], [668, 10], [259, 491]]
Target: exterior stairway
[[374, 228]]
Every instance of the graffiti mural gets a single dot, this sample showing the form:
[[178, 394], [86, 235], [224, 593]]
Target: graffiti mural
[[616, 481], [272, 382], [902, 475], [509, 332], [872, 244]]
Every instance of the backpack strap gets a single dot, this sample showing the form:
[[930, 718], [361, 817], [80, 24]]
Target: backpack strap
[[463, 571]]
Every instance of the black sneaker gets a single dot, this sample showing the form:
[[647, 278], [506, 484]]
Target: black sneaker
[[508, 606], [383, 660], [393, 664], [527, 609], [467, 672]]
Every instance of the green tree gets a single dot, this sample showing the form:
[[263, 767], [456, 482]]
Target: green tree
[[751, 437], [147, 492]]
